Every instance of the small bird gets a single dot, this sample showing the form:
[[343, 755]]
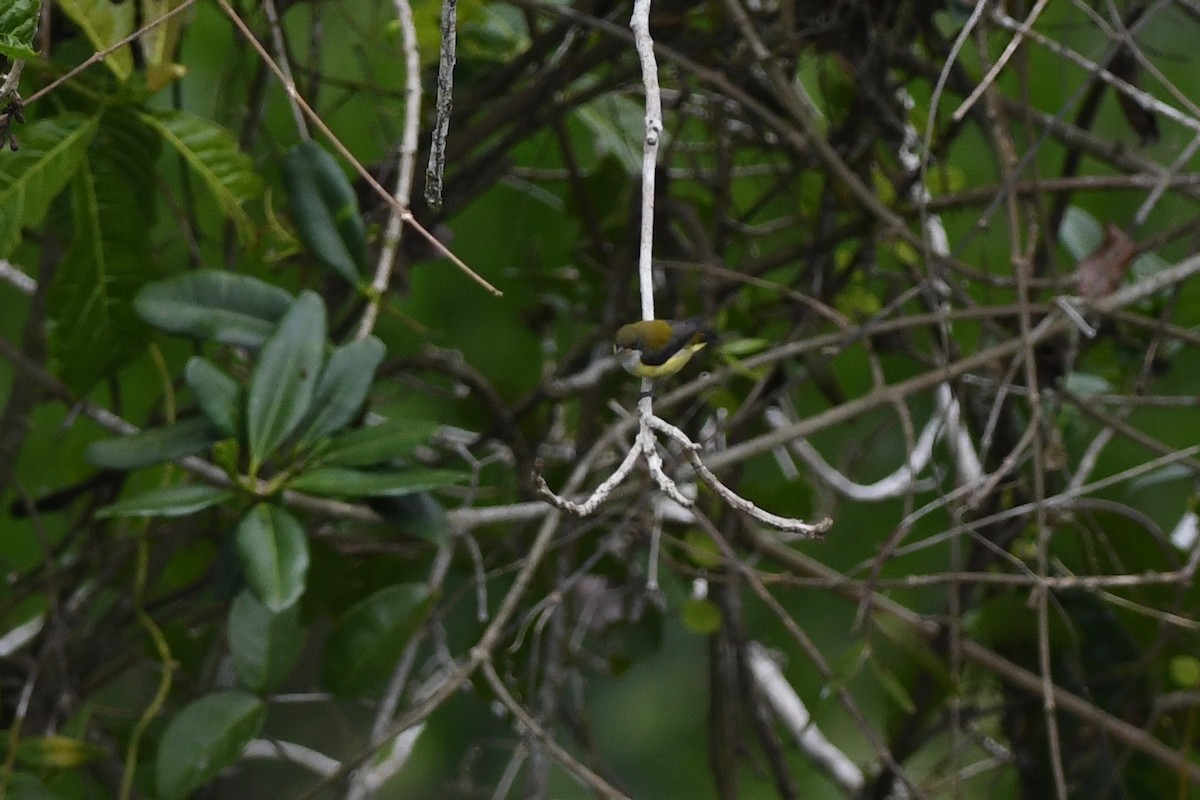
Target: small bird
[[659, 347]]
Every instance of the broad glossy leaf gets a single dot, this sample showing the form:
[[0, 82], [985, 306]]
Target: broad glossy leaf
[[170, 501], [155, 445], [274, 554], [18, 24], [264, 644], [325, 210], [213, 155], [375, 444], [343, 387], [204, 738], [95, 329], [221, 306], [366, 642], [51, 152], [344, 482], [282, 386], [219, 396]]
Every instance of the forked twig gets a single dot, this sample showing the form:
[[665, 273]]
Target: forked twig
[[645, 445]]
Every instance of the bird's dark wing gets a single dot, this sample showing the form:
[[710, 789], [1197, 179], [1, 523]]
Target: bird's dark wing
[[685, 332]]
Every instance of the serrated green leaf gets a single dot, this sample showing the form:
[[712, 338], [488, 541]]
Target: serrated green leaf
[[325, 210], [221, 306], [94, 328], [171, 501], [51, 152], [204, 738], [18, 24], [154, 445], [342, 389], [281, 388], [214, 157], [363, 647], [343, 482], [264, 644], [105, 24], [218, 395], [274, 555], [376, 444]]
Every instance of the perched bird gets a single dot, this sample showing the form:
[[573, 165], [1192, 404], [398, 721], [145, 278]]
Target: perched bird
[[659, 347]]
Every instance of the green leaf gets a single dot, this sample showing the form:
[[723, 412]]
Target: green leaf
[[264, 644], [274, 554], [701, 616], [105, 24], [1147, 265], [215, 159], [325, 210], [281, 388], [22, 786], [343, 482], [1184, 671], [18, 24], [51, 152], [160, 43], [94, 329], [343, 387], [204, 738], [219, 396], [419, 515], [742, 347], [57, 752], [1086, 384], [227, 455], [221, 306], [1168, 473], [375, 444], [366, 642], [1080, 233], [894, 687], [170, 501], [616, 124], [701, 550], [153, 446]]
